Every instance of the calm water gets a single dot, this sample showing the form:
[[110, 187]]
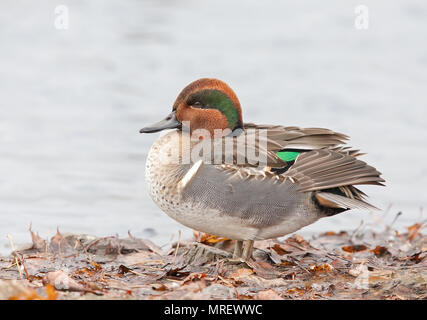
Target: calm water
[[72, 101]]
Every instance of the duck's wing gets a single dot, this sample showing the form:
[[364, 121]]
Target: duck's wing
[[262, 146], [315, 160], [332, 174], [299, 138], [281, 139], [330, 168]]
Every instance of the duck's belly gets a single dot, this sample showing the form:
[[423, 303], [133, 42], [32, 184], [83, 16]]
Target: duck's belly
[[216, 203]]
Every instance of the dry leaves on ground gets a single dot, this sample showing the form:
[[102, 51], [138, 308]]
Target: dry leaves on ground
[[369, 265]]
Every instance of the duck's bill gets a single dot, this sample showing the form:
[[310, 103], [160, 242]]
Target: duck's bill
[[170, 122]]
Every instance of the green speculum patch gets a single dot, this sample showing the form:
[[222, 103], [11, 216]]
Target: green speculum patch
[[287, 155], [215, 99]]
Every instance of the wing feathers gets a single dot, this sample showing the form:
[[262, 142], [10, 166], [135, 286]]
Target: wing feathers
[[326, 168], [333, 200], [324, 163]]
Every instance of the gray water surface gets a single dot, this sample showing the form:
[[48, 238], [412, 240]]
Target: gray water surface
[[72, 101]]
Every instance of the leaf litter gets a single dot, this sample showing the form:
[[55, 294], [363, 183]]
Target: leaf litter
[[363, 264]]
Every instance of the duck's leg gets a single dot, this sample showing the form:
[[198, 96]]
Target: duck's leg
[[247, 250], [237, 249]]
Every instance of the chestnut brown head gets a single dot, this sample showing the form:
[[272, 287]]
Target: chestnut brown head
[[206, 104]]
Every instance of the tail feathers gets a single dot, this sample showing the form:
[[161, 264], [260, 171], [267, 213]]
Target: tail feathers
[[331, 200]]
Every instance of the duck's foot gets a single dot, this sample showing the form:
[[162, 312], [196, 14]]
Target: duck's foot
[[248, 248], [238, 247], [243, 250]]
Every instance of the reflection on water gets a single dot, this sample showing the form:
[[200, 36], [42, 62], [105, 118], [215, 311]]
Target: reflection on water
[[73, 101]]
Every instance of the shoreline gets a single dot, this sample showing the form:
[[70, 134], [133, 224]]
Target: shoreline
[[358, 264]]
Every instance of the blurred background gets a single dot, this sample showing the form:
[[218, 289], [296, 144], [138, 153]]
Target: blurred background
[[73, 100]]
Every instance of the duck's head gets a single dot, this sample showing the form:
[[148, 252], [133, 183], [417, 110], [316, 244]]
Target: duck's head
[[206, 104]]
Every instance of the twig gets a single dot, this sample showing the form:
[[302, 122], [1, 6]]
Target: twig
[[177, 246], [137, 273], [151, 268], [148, 261], [395, 218], [10, 266], [16, 258]]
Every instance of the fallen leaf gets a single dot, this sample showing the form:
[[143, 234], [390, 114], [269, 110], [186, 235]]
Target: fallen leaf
[[240, 273], [286, 263], [320, 267], [279, 250], [58, 244], [31, 294], [96, 265], [332, 233], [123, 269], [414, 230], [355, 248], [269, 294], [61, 281], [380, 251], [161, 287], [263, 269], [210, 239], [176, 274], [299, 239], [418, 257], [296, 291], [51, 292], [38, 243], [194, 276]]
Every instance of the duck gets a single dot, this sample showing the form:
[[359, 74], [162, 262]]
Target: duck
[[303, 175]]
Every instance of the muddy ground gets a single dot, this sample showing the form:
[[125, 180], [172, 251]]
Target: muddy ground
[[358, 264]]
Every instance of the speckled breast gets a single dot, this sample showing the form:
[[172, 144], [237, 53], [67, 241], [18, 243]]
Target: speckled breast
[[224, 205]]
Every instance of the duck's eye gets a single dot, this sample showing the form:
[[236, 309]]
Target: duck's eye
[[197, 104]]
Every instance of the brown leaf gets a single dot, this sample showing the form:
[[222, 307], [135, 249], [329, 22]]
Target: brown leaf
[[418, 257], [123, 269], [269, 294], [320, 267], [86, 271], [279, 250], [240, 273], [328, 234], [96, 265], [297, 291], [51, 292], [162, 287], [286, 263], [38, 243], [194, 276], [332, 233], [176, 274], [210, 239], [380, 251], [58, 244], [300, 239], [263, 269], [61, 281], [31, 294], [355, 248], [414, 230]]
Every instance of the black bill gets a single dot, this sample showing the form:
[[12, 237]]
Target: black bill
[[170, 122]]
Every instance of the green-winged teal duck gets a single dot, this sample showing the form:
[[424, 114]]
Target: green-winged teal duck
[[307, 174]]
